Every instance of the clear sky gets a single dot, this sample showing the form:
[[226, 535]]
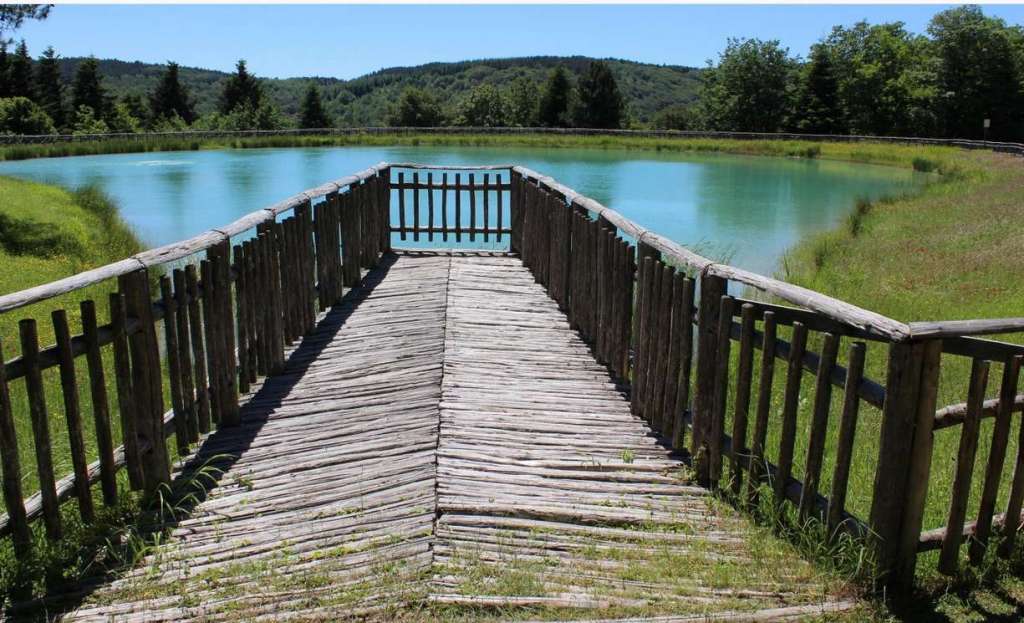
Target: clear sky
[[349, 40]]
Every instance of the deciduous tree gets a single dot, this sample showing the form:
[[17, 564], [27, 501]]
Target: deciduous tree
[[749, 89], [978, 74], [483, 107], [416, 109]]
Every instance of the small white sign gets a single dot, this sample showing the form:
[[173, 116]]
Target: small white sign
[[988, 123]]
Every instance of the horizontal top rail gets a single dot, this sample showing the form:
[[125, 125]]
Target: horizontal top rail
[[453, 167], [177, 250], [959, 328]]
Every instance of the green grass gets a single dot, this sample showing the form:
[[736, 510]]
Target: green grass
[[49, 233], [949, 252]]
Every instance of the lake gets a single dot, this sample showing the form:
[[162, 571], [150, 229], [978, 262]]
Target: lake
[[744, 209]]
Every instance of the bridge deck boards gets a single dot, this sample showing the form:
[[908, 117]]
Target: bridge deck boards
[[445, 446]]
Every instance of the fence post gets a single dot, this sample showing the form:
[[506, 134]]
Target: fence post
[[712, 289], [384, 208], [515, 212], [904, 446], [147, 382], [920, 464]]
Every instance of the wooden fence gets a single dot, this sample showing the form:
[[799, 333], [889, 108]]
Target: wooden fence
[[662, 318], [685, 332], [19, 139]]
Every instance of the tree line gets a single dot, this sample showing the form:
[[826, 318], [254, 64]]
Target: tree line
[[964, 78], [593, 102], [35, 100]]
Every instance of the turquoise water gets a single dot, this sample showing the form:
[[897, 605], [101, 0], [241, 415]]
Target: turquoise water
[[747, 210]]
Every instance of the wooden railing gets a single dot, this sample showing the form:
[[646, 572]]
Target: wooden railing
[[677, 353], [662, 318], [224, 321]]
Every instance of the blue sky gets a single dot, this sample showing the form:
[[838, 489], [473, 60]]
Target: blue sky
[[346, 41]]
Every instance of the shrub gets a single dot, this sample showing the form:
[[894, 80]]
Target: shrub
[[20, 115], [924, 165]]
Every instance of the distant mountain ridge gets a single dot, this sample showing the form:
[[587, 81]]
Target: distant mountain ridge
[[367, 100]]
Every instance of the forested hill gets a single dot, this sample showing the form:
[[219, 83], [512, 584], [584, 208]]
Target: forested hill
[[367, 100]]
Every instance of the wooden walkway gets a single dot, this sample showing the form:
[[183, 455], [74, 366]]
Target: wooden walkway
[[444, 447]]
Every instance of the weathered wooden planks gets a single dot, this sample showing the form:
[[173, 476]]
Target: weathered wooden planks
[[407, 434]]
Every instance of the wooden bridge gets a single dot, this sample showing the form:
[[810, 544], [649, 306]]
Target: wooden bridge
[[436, 392]]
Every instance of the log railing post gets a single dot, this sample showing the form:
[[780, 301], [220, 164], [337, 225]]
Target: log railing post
[[147, 381], [919, 464], [904, 458], [21, 536], [712, 289], [515, 210]]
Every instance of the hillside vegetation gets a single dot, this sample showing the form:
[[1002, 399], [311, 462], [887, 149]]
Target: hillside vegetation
[[369, 99]]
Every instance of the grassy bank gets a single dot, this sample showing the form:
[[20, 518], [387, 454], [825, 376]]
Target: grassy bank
[[47, 233], [950, 252]]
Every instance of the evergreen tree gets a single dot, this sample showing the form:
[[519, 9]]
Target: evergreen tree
[[522, 103], [5, 70], [818, 110], [49, 89], [171, 98], [313, 114], [416, 109], [241, 89], [554, 103], [599, 102], [88, 90], [21, 72], [13, 15]]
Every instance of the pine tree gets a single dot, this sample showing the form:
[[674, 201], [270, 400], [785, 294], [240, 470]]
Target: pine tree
[[313, 113], [21, 72], [88, 89], [170, 97], [49, 89], [600, 103], [554, 104], [818, 109], [242, 88], [5, 70]]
